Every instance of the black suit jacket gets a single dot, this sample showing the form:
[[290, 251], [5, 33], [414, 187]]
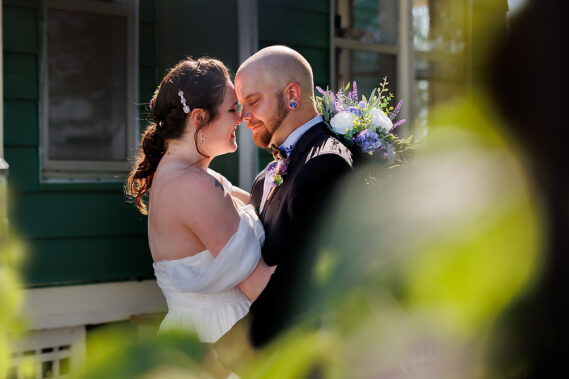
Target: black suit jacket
[[290, 216]]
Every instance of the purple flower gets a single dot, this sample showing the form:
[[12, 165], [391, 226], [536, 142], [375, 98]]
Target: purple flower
[[400, 122], [395, 112], [276, 171], [320, 90], [369, 141], [355, 111], [338, 105], [354, 94], [282, 166]]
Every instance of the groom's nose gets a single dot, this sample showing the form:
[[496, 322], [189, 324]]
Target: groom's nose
[[245, 114]]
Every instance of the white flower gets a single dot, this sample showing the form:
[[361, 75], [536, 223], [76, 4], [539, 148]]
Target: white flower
[[380, 119], [342, 122]]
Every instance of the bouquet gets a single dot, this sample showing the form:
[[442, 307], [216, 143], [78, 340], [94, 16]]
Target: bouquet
[[366, 126]]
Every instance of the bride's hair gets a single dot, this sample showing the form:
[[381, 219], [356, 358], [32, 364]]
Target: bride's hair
[[203, 84]]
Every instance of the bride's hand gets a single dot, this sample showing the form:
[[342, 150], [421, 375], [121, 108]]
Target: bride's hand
[[257, 281]]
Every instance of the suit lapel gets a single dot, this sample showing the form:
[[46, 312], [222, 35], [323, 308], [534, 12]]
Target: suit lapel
[[305, 142], [297, 152]]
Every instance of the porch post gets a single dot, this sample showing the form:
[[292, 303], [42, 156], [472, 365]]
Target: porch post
[[247, 16]]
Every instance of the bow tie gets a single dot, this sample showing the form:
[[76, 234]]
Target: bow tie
[[277, 153]]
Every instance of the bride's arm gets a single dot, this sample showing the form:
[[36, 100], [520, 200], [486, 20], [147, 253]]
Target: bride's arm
[[207, 210], [257, 281], [241, 194]]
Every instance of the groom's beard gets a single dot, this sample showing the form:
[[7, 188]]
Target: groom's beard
[[263, 137]]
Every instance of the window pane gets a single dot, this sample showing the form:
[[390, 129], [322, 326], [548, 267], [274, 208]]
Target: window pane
[[439, 25], [435, 83], [366, 68], [370, 21], [87, 77]]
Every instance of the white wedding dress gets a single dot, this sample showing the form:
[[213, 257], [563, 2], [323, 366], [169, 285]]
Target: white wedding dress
[[201, 289]]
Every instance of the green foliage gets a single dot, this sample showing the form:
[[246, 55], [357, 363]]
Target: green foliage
[[410, 274], [11, 252], [115, 353]]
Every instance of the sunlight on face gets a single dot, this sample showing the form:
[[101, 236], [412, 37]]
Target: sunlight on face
[[263, 106], [219, 135]]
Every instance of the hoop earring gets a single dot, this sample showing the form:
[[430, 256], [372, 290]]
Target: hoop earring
[[293, 104]]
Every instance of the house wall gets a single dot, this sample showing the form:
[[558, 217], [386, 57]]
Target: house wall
[[80, 233], [75, 232], [303, 26], [198, 28]]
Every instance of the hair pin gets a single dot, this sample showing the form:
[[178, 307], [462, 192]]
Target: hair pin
[[183, 101]]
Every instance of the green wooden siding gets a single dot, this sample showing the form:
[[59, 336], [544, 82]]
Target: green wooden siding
[[74, 232], [303, 26], [88, 232], [198, 28]]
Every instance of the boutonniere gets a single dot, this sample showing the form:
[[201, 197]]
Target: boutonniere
[[280, 171]]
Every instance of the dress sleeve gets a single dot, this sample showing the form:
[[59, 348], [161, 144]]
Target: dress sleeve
[[235, 262]]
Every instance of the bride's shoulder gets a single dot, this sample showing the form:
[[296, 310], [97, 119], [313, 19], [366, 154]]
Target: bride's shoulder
[[199, 184]]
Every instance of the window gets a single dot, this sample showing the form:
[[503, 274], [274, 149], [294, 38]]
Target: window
[[365, 41], [439, 41], [89, 81], [420, 45]]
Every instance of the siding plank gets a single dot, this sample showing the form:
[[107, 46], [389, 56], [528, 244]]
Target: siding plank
[[71, 215], [21, 122], [24, 168], [72, 261], [19, 28], [275, 25], [20, 76]]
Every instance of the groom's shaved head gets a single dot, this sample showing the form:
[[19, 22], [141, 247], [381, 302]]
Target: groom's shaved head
[[275, 87], [281, 65]]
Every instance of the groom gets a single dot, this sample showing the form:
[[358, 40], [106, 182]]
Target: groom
[[274, 87]]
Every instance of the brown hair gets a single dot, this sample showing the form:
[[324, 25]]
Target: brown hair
[[203, 83]]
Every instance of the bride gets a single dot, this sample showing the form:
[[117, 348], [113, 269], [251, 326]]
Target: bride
[[204, 239]]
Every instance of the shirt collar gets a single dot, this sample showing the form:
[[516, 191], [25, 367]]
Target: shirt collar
[[293, 137]]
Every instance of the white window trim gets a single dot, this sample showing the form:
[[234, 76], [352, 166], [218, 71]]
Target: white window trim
[[58, 170]]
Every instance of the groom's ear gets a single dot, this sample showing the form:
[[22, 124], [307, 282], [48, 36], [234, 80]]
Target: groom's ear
[[292, 93]]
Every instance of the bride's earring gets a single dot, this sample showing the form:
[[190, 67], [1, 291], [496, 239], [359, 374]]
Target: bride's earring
[[202, 138]]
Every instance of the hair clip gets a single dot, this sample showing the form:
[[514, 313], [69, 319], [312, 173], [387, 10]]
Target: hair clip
[[183, 101]]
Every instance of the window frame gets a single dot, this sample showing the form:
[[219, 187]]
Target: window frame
[[84, 170], [404, 53]]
